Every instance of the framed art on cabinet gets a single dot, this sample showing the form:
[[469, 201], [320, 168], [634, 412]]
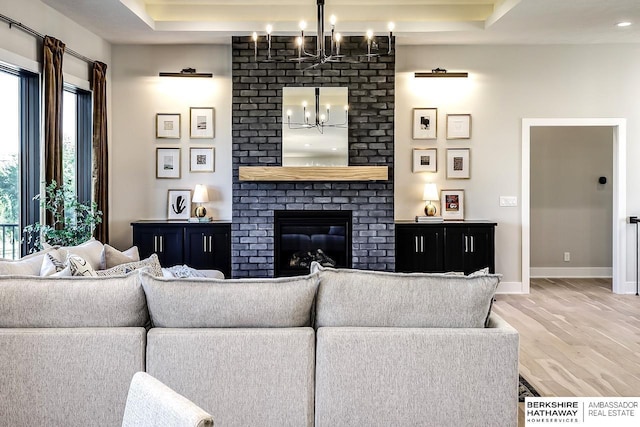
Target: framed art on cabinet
[[425, 160], [452, 205], [202, 125], [425, 123], [201, 159], [168, 126], [178, 204], [168, 163], [458, 163], [458, 126]]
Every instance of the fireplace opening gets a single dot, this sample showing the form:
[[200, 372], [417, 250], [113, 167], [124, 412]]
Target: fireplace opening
[[301, 237]]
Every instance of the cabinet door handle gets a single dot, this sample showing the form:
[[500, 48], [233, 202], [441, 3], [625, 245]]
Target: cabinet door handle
[[211, 244], [422, 244], [161, 238], [473, 244], [466, 244], [204, 243], [416, 242], [155, 243]]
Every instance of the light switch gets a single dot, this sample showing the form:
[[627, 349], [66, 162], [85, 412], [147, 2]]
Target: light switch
[[508, 201]]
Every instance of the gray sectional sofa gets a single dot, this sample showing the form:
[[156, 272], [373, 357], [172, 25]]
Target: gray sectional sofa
[[334, 348]]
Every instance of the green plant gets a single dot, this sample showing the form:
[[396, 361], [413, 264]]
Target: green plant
[[73, 221]]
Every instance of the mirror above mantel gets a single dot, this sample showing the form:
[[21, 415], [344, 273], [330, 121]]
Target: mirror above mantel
[[315, 126]]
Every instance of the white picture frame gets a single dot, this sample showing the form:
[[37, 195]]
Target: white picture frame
[[202, 124], [178, 205], [452, 205], [168, 126], [458, 163], [168, 163], [425, 123], [201, 159], [425, 160], [458, 126]]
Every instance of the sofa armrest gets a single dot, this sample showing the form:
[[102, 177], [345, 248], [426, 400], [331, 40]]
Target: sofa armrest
[[404, 376]]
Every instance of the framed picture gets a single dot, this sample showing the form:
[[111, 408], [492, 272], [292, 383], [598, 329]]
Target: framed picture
[[179, 205], [425, 123], [452, 205], [458, 163], [202, 122], [168, 163], [458, 126], [168, 126], [425, 160], [202, 159]]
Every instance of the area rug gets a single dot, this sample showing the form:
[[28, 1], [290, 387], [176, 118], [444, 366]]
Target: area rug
[[526, 390]]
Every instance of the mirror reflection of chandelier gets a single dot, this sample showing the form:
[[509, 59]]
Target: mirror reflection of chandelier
[[321, 120], [321, 54]]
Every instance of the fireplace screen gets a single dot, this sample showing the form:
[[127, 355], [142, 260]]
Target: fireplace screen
[[302, 237]]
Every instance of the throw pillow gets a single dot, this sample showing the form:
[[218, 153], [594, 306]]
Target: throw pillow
[[51, 265], [151, 265], [112, 257], [80, 266], [91, 251], [26, 266]]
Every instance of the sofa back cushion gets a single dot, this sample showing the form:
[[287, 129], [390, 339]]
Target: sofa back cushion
[[72, 302], [237, 303], [367, 298]]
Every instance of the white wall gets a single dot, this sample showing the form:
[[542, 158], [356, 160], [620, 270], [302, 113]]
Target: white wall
[[570, 210], [22, 49], [507, 84], [138, 94]]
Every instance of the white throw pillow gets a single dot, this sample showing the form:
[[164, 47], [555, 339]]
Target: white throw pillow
[[90, 251], [26, 266]]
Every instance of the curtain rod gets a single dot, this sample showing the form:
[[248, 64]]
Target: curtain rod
[[34, 33]]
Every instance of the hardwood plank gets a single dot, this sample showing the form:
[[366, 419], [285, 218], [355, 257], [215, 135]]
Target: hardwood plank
[[313, 173], [577, 338]]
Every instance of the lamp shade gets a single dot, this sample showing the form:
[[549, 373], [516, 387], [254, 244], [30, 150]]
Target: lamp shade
[[200, 194], [430, 192]]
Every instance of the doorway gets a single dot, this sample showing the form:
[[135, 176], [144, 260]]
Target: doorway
[[619, 194]]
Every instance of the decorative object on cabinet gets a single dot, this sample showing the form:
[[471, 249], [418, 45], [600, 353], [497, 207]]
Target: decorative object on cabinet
[[441, 72], [425, 160], [425, 123], [458, 126], [458, 163], [185, 72], [178, 205], [452, 204], [200, 195], [203, 246], [168, 126], [168, 163], [202, 159], [430, 194], [464, 246], [202, 122]]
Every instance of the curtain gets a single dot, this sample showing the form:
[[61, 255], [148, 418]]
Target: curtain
[[53, 87], [100, 177]]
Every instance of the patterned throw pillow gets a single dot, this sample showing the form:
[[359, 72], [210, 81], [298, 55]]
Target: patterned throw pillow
[[80, 267], [52, 266]]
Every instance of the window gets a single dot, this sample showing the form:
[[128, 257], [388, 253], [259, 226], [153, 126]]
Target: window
[[76, 141], [19, 157]]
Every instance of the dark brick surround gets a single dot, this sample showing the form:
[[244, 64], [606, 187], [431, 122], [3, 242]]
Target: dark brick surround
[[257, 140]]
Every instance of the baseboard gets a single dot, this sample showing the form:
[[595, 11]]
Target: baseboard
[[571, 272], [629, 288], [510, 288]]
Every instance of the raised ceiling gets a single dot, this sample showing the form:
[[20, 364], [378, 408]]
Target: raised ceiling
[[417, 21]]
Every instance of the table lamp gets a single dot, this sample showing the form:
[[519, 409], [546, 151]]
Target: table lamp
[[429, 195], [200, 195]]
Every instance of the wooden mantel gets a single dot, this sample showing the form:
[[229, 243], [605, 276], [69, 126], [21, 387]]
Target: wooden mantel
[[313, 173]]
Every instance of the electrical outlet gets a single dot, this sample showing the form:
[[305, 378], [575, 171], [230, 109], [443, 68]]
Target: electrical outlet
[[508, 201], [567, 256]]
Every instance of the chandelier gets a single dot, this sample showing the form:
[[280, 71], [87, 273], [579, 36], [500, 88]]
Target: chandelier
[[321, 120], [323, 54]]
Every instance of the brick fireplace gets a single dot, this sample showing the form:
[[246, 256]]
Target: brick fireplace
[[257, 141]]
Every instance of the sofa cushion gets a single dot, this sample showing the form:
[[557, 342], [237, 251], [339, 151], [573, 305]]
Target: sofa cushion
[[236, 303], [112, 257], [26, 266], [419, 300], [72, 302]]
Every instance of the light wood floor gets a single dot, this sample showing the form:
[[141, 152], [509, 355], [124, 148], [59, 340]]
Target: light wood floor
[[577, 338]]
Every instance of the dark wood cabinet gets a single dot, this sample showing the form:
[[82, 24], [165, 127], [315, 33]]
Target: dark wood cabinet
[[465, 246], [198, 245]]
